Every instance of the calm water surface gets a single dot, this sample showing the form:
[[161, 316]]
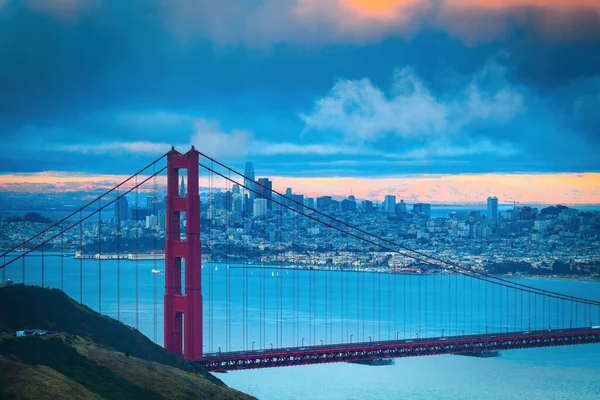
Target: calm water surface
[[291, 307]]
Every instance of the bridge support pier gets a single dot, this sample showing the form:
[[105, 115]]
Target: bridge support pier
[[183, 311]]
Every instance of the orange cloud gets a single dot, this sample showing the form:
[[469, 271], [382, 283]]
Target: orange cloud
[[472, 20], [566, 188], [378, 9], [504, 4]]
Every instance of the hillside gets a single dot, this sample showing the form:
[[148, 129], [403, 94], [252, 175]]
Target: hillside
[[91, 356]]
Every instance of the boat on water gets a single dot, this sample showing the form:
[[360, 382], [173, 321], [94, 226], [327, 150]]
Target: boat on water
[[155, 271], [375, 362]]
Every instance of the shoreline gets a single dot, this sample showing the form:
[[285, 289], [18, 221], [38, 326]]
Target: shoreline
[[286, 266], [557, 277]]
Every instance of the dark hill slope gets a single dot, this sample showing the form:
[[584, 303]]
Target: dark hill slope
[[92, 356], [30, 307]]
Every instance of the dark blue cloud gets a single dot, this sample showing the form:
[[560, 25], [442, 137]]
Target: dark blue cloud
[[84, 80]]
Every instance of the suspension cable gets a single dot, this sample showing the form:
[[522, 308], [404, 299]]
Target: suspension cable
[[456, 268]]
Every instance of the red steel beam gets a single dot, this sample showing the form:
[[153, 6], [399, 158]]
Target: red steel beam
[[395, 349]]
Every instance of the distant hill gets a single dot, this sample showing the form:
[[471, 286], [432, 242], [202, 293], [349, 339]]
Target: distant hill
[[90, 357]]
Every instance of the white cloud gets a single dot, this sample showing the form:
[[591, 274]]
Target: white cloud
[[213, 141], [117, 147], [354, 115], [363, 113]]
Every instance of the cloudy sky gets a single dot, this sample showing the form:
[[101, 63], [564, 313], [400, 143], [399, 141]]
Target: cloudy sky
[[457, 99]]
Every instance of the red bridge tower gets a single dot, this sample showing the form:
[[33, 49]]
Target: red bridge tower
[[183, 253]]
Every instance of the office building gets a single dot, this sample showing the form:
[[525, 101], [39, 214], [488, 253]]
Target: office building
[[259, 208], [121, 210], [492, 208], [422, 209], [264, 190], [401, 208], [348, 204], [249, 194], [389, 204], [323, 203]]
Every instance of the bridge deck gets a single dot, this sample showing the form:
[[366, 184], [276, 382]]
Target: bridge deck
[[222, 362]]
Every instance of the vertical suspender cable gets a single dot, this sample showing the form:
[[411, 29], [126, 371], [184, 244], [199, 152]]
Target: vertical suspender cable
[[378, 305], [464, 304], [389, 279], [155, 261], [62, 260], [449, 303], [99, 259], [419, 284], [80, 257], [471, 304], [456, 303], [314, 276], [404, 305], [137, 255], [118, 205], [43, 262], [358, 274], [227, 273], [395, 304]]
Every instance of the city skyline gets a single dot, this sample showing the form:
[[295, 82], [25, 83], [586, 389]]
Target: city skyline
[[570, 189]]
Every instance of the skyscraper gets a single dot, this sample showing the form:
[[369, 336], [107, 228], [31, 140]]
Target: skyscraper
[[323, 203], [401, 208], [182, 191], [389, 204], [151, 204], [122, 209], [492, 208], [250, 187], [265, 191]]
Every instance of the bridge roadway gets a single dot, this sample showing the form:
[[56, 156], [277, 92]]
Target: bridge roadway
[[223, 362]]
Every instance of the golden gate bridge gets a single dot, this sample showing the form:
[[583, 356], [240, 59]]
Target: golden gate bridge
[[262, 311]]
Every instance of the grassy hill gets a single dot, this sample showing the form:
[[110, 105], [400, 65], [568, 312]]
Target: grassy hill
[[90, 357]]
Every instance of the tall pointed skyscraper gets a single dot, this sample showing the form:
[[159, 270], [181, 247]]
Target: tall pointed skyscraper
[[182, 191]]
